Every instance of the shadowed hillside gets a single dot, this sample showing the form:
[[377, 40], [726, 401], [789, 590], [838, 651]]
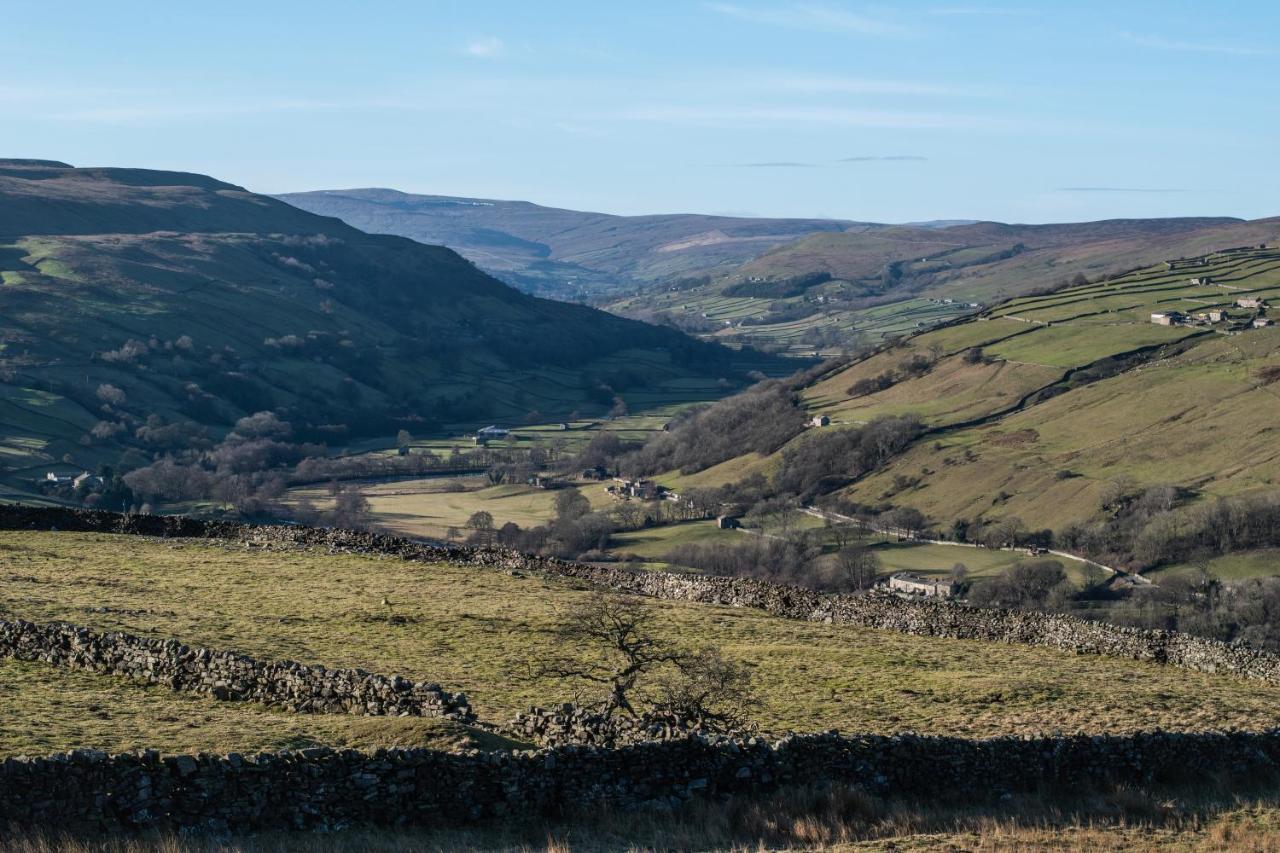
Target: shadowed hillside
[[151, 310]]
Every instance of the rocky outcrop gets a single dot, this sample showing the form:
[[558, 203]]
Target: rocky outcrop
[[326, 789], [887, 612], [229, 676]]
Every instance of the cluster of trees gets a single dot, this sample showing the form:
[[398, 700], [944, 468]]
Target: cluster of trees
[[778, 288], [759, 420], [1147, 527], [801, 560], [1033, 585], [828, 459]]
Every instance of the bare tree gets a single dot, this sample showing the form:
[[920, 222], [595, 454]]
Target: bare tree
[[858, 566], [710, 691], [618, 633], [481, 522]]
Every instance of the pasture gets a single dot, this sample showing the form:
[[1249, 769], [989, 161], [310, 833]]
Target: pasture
[[476, 630]]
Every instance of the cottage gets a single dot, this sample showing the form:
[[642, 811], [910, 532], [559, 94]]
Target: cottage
[[599, 472], [1250, 302], [820, 421], [1214, 315], [540, 481], [728, 522], [910, 583], [1263, 322]]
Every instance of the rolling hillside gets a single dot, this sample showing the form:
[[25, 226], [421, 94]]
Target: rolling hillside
[[566, 254], [1040, 405], [827, 290], [150, 310]]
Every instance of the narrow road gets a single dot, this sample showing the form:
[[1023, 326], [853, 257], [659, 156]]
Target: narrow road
[[893, 531]]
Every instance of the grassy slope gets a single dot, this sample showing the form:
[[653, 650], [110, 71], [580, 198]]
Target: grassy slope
[[959, 263], [1201, 419], [92, 258], [473, 630]]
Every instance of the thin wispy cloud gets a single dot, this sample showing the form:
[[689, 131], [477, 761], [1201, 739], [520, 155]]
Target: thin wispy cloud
[[1121, 190], [826, 116], [981, 11], [809, 16], [1157, 42], [799, 164], [486, 47], [837, 85], [777, 164], [886, 158]]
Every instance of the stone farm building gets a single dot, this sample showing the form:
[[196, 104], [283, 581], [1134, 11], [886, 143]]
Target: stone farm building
[[491, 433], [1214, 315], [913, 584], [641, 489], [1250, 302], [1167, 318], [820, 421]]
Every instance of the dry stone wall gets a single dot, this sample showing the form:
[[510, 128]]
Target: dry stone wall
[[888, 612], [227, 675], [325, 789]]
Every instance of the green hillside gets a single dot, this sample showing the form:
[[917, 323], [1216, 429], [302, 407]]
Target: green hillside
[[149, 310], [1041, 404]]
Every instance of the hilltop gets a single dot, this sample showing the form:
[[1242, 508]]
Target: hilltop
[[148, 311], [566, 254]]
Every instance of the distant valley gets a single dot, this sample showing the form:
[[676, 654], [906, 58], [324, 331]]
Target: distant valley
[[565, 254], [799, 287]]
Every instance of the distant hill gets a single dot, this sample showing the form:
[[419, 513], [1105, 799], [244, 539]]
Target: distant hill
[[567, 254], [141, 311], [824, 290]]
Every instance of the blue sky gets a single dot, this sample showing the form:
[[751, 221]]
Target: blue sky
[[1030, 112]]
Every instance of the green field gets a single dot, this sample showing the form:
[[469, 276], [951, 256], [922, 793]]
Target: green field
[[474, 630], [1229, 567]]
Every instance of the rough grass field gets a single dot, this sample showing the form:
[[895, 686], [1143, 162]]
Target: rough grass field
[[45, 709], [475, 630], [426, 507]]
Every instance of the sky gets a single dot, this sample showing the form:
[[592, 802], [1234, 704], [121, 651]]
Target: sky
[[886, 112]]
